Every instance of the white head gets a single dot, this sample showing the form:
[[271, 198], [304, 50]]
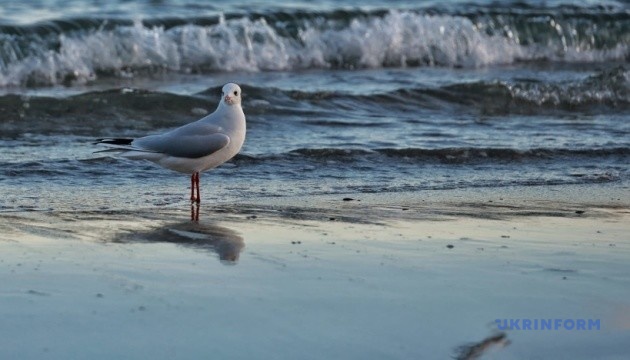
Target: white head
[[231, 94]]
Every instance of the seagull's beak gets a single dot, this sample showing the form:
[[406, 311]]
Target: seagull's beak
[[228, 99]]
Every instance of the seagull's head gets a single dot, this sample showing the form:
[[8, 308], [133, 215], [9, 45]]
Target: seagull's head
[[231, 94]]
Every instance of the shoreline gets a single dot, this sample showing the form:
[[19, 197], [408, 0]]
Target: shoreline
[[481, 202]]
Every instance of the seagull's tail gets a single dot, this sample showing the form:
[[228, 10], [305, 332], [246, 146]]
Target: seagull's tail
[[114, 144], [114, 141], [123, 147]]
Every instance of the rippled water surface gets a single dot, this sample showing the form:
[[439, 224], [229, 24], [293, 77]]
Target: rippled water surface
[[340, 97]]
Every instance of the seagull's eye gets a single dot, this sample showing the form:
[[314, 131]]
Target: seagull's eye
[[236, 93]]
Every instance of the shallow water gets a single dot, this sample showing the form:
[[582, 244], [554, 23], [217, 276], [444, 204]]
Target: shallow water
[[339, 97]]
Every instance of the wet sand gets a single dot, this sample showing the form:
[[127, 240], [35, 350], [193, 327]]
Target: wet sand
[[382, 276]]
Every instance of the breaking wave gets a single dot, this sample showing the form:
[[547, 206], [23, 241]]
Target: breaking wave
[[82, 50]]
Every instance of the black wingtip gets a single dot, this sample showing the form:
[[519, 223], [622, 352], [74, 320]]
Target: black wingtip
[[114, 141]]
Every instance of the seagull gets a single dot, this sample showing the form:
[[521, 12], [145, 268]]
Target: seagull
[[195, 147]]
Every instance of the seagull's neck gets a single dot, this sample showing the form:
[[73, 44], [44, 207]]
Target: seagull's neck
[[228, 109], [229, 115]]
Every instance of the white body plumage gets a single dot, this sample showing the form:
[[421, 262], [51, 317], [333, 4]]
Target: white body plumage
[[195, 147]]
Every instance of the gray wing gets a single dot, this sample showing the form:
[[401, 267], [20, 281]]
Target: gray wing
[[190, 141]]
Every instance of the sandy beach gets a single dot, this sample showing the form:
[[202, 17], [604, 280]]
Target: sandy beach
[[374, 276]]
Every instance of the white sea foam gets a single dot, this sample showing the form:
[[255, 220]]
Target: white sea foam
[[400, 38]]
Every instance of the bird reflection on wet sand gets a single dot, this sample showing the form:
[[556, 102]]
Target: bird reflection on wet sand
[[226, 242]]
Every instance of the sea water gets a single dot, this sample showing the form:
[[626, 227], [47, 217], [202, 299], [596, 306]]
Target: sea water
[[340, 96]]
